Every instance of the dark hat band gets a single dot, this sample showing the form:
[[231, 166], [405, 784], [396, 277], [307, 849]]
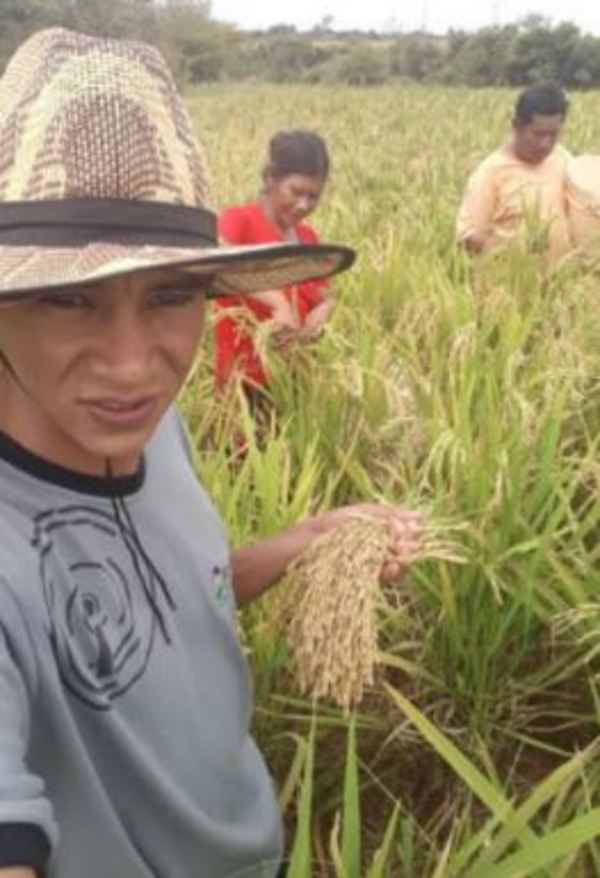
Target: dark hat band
[[79, 221]]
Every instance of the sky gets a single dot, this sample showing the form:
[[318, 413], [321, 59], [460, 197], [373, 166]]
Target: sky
[[403, 15]]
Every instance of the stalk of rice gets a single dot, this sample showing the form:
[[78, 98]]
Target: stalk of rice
[[332, 590]]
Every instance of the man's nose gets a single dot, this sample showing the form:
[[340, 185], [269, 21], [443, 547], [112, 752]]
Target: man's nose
[[127, 344]]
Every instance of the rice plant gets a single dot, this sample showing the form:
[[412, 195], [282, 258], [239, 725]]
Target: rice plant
[[472, 392]]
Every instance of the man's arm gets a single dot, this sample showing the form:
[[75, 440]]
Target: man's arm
[[474, 229], [27, 826], [257, 567], [17, 872]]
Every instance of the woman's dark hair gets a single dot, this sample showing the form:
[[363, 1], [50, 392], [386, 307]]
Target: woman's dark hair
[[546, 99], [297, 152]]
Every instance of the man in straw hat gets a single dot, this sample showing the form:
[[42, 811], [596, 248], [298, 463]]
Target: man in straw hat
[[125, 701]]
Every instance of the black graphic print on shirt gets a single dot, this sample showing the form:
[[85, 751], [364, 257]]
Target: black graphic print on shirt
[[105, 600]]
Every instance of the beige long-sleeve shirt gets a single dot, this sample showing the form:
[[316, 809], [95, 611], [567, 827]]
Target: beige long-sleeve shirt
[[506, 196]]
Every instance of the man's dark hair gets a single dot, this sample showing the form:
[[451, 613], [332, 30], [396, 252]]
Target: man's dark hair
[[546, 99], [297, 152]]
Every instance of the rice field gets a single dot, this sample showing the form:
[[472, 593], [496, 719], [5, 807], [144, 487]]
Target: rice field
[[472, 394]]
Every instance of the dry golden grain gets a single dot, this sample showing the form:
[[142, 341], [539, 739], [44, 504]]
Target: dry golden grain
[[332, 590], [332, 630]]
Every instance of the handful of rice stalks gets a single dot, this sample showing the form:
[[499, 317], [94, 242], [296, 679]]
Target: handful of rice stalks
[[332, 590]]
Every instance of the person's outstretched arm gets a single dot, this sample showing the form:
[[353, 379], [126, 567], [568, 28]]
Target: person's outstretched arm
[[17, 872], [257, 567], [474, 229], [26, 825]]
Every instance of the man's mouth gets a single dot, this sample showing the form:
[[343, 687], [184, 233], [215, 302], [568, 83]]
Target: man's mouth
[[121, 412]]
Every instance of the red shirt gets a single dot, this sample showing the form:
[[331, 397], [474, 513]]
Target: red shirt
[[234, 348]]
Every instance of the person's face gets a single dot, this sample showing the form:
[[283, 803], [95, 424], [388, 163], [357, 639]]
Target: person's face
[[293, 197], [91, 371], [534, 141]]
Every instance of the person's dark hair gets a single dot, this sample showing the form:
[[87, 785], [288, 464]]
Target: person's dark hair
[[297, 152], [546, 99]]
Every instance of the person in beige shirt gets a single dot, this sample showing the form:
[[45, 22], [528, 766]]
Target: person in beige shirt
[[521, 186]]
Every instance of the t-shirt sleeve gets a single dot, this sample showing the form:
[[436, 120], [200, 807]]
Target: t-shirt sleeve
[[477, 208], [27, 828], [183, 436]]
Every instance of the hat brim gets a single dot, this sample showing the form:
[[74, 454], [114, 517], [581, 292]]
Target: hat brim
[[232, 270]]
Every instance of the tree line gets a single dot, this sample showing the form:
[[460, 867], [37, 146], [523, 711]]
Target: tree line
[[202, 49]]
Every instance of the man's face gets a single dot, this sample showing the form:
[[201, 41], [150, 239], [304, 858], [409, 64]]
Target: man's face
[[535, 140], [91, 371]]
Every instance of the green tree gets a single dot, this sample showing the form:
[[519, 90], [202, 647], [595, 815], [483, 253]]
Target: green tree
[[208, 53], [196, 47], [480, 59], [285, 59], [116, 18], [586, 63], [539, 53], [110, 18], [20, 18], [362, 64], [417, 56]]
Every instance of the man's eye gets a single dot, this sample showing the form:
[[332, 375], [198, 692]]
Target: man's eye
[[65, 300], [172, 298]]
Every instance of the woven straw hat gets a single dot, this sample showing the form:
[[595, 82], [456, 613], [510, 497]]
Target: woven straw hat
[[101, 175]]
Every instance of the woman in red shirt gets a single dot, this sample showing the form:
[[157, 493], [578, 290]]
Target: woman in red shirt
[[293, 178]]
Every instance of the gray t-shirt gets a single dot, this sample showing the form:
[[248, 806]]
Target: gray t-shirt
[[125, 698]]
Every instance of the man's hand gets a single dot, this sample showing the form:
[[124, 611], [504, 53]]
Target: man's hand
[[476, 242], [405, 530], [257, 567]]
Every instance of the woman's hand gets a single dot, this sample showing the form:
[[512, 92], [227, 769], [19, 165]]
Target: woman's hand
[[285, 326], [316, 320], [283, 338]]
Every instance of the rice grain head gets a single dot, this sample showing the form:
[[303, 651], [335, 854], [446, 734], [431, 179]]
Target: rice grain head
[[331, 595], [332, 630]]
